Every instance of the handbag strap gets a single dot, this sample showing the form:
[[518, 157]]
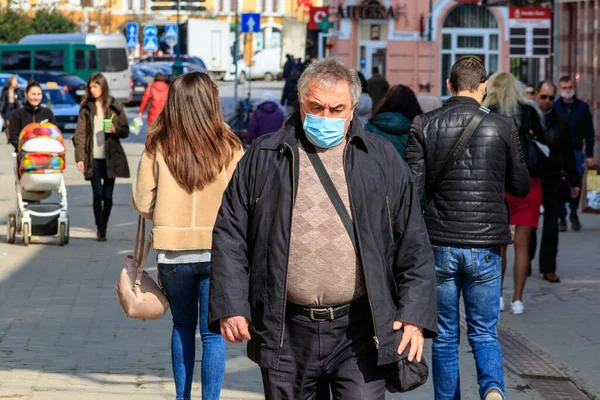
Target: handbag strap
[[140, 252], [330, 189], [458, 148]]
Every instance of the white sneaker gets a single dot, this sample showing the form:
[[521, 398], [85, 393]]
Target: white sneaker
[[501, 303], [494, 395], [518, 307]]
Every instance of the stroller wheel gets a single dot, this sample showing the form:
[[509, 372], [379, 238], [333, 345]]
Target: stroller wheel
[[11, 226], [63, 234], [26, 234]]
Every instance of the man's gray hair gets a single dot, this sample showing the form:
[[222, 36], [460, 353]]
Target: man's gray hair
[[330, 71]]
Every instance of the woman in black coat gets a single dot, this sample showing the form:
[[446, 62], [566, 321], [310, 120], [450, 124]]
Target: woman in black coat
[[99, 155], [32, 111], [11, 99]]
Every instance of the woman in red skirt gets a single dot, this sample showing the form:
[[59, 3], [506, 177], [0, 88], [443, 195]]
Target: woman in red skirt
[[504, 95]]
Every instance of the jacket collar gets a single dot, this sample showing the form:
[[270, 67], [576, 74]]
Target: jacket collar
[[461, 100], [111, 105], [30, 108], [292, 130]]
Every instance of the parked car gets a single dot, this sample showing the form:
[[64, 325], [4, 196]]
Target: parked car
[[63, 105], [75, 84], [197, 61], [20, 80], [266, 64]]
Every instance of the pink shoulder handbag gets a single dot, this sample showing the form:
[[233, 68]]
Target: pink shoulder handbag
[[139, 295]]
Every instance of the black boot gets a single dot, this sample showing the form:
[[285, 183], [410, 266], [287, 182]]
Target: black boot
[[101, 234]]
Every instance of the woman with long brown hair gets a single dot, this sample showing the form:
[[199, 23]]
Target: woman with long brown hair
[[99, 155], [190, 157]]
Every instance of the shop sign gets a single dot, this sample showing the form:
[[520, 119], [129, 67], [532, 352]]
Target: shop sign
[[316, 15], [372, 9], [530, 30]]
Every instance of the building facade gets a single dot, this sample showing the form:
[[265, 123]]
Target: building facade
[[578, 48]]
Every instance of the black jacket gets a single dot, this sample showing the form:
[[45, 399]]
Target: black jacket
[[468, 207], [562, 157], [25, 116], [251, 241], [116, 159], [289, 95], [4, 103]]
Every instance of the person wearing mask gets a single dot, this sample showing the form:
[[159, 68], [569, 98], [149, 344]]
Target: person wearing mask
[[467, 221], [99, 155], [289, 65], [378, 87], [289, 96], [286, 274], [394, 116], [364, 108], [31, 111], [195, 154], [556, 179], [156, 96], [505, 96], [427, 101], [267, 118], [529, 93], [11, 99], [582, 131]]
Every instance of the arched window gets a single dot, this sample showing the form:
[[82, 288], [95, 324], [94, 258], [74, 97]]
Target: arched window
[[470, 16]]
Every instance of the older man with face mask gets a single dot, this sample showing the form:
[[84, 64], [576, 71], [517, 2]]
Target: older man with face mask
[[321, 258]]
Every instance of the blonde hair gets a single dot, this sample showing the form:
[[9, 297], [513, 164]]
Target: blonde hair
[[505, 92]]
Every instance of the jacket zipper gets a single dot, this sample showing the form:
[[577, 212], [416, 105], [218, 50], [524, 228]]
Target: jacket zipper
[[289, 245], [387, 200], [375, 339]]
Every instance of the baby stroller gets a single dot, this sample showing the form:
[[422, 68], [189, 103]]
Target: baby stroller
[[39, 167]]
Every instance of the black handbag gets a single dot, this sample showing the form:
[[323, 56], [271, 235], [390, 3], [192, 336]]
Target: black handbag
[[401, 376]]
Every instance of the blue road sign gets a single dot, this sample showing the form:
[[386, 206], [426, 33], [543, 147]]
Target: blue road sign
[[131, 43], [250, 23], [171, 31], [150, 31], [150, 44], [131, 30]]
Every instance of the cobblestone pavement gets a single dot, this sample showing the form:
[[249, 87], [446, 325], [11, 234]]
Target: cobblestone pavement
[[63, 334]]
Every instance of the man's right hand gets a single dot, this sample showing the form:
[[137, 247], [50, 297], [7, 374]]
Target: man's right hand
[[235, 329]]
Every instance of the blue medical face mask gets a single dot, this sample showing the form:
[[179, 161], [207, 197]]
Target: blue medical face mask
[[324, 132]]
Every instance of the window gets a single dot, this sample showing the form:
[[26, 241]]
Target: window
[[14, 60], [470, 42], [113, 60], [446, 41], [92, 59], [79, 59], [470, 16], [49, 60]]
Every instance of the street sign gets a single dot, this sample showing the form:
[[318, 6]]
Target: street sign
[[131, 43], [150, 44], [132, 30], [530, 32], [250, 23], [316, 15], [171, 31], [150, 31]]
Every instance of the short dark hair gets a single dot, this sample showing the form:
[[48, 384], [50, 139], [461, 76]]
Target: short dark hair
[[546, 82], [400, 99], [32, 84], [467, 74], [160, 77], [375, 70], [424, 85], [565, 79]]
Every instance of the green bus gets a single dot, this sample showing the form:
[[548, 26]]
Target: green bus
[[78, 59]]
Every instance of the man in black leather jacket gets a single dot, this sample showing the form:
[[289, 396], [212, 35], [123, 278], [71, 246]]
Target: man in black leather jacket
[[560, 173], [467, 221]]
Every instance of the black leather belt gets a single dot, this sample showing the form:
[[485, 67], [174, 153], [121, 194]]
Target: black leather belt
[[320, 314]]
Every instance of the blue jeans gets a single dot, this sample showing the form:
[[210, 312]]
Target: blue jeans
[[476, 273], [186, 287], [574, 203]]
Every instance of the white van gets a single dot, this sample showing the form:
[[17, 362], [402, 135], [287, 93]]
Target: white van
[[112, 51], [266, 65]]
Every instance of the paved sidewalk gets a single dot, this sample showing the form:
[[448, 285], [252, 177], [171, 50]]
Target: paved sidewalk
[[63, 334]]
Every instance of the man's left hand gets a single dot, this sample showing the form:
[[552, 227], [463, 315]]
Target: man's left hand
[[590, 162], [575, 192], [412, 335]]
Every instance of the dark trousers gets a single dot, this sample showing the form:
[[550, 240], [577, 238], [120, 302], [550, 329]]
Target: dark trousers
[[339, 353], [102, 188], [551, 200]]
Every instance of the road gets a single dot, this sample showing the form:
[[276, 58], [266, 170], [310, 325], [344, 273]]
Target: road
[[63, 334]]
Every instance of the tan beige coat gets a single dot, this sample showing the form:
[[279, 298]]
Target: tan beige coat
[[182, 220]]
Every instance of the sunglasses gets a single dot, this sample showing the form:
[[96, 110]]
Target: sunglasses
[[546, 97]]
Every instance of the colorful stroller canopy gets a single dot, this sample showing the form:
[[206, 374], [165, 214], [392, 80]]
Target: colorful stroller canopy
[[41, 149]]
